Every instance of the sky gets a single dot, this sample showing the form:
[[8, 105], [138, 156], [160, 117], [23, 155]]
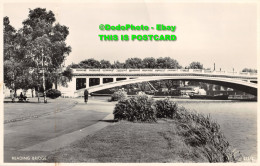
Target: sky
[[220, 33]]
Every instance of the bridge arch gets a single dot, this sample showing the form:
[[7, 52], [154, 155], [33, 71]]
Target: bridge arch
[[238, 84]]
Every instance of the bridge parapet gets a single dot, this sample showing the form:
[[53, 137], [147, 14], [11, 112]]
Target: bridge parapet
[[159, 71]]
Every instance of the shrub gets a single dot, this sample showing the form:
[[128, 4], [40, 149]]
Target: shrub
[[118, 95], [138, 108], [53, 93], [165, 108], [203, 133]]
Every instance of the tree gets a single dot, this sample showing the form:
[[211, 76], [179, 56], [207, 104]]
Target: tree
[[105, 64], [118, 65], [62, 78], [90, 63], [68, 73], [73, 65], [249, 70], [39, 24], [45, 44], [149, 62], [134, 63], [168, 63], [195, 65], [15, 69], [38, 46], [40, 51], [9, 40], [9, 54]]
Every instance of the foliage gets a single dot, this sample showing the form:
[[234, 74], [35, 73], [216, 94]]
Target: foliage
[[195, 65], [167, 63], [67, 73], [201, 132], [165, 108], [105, 64], [149, 62], [16, 73], [139, 108], [249, 70], [134, 63], [45, 43], [90, 63], [53, 93], [118, 95], [39, 28], [118, 65], [9, 39], [38, 45], [73, 65], [198, 131]]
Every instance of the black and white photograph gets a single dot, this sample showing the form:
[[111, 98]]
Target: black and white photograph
[[142, 81]]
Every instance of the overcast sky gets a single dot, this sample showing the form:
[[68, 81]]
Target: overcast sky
[[224, 33]]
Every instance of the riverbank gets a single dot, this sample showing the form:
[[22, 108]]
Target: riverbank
[[126, 142]]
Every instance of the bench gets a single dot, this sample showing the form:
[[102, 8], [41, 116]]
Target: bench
[[23, 99]]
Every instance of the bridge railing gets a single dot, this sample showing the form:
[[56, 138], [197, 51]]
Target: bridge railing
[[140, 71]]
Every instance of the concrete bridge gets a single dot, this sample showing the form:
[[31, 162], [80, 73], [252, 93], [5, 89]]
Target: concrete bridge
[[99, 79]]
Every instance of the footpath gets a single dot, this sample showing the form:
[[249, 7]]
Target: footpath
[[19, 111], [49, 132]]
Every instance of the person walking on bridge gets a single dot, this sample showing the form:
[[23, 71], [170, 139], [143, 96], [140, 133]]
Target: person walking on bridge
[[86, 95]]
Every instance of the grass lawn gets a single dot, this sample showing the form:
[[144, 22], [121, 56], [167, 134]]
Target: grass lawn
[[131, 142]]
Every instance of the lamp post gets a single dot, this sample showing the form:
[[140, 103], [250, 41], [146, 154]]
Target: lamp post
[[38, 83], [43, 79]]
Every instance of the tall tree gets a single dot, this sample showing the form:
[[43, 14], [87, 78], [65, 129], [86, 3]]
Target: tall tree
[[41, 24], [45, 44], [38, 46]]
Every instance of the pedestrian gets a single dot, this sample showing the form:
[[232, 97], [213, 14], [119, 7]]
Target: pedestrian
[[86, 95], [21, 95], [12, 95]]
